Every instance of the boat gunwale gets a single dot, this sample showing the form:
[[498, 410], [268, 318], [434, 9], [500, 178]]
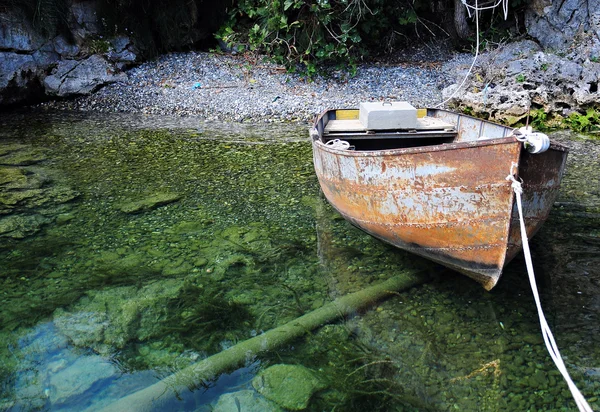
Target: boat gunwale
[[317, 137]]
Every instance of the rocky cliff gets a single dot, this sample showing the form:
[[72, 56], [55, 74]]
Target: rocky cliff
[[556, 72], [77, 61], [73, 47]]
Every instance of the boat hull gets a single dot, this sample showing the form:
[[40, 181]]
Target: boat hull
[[450, 203]]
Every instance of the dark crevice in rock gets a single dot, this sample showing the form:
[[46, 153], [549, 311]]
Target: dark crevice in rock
[[562, 105], [17, 51]]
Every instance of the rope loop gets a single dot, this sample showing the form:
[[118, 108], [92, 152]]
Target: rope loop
[[516, 185]]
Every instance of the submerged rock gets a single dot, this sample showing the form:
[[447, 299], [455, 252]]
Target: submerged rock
[[64, 218], [12, 175], [114, 316], [79, 377], [21, 226], [83, 328], [290, 386], [30, 194], [245, 400], [23, 157], [151, 202], [6, 148]]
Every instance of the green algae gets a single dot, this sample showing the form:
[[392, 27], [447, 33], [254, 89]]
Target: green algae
[[181, 242], [108, 319], [252, 241], [149, 202], [12, 175], [19, 227], [203, 318], [17, 155], [290, 386], [30, 196]]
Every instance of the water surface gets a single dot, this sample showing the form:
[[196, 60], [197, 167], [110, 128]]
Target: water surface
[[133, 246]]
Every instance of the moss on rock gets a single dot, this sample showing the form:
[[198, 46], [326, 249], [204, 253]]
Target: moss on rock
[[290, 386], [22, 157], [12, 175], [148, 203]]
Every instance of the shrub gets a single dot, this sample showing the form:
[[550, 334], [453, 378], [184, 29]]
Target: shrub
[[587, 122], [303, 34]]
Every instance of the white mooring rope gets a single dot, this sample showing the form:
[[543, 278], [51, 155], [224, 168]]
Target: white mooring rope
[[546, 332], [475, 9]]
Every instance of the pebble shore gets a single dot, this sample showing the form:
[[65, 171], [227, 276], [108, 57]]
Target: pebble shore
[[244, 88]]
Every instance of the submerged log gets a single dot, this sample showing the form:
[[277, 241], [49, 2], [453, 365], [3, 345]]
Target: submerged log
[[164, 393]]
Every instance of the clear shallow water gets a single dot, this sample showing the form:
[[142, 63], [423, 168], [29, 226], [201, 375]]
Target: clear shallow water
[[132, 247]]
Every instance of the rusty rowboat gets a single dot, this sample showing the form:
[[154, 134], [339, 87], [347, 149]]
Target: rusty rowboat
[[438, 189]]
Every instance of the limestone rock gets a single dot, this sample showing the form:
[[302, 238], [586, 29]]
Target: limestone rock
[[119, 43], [124, 56], [290, 386], [510, 80], [149, 203], [245, 400], [19, 77], [17, 34], [26, 58], [73, 77], [114, 316], [79, 377], [21, 226], [84, 20], [556, 25], [64, 48]]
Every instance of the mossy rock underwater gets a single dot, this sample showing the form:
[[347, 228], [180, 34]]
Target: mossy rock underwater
[[290, 386], [148, 203]]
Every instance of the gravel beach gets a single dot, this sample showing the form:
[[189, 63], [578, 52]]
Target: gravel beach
[[247, 89]]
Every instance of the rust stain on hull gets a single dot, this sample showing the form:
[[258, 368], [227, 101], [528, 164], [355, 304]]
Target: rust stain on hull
[[450, 203]]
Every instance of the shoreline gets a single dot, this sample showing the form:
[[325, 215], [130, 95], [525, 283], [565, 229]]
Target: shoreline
[[242, 88]]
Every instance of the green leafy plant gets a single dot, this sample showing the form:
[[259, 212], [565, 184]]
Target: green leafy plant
[[306, 36], [544, 66], [587, 122], [538, 119], [520, 78], [292, 31], [99, 46]]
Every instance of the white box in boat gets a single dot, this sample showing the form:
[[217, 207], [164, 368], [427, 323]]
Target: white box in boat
[[387, 115]]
